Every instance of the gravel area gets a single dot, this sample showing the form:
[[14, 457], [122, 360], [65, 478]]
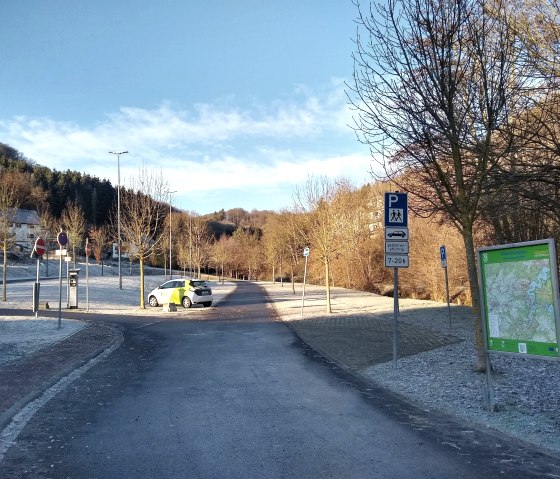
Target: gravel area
[[527, 391]]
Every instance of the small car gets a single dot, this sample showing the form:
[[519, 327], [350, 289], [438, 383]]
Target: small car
[[185, 291]]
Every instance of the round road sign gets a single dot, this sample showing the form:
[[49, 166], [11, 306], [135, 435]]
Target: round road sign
[[62, 239], [40, 246]]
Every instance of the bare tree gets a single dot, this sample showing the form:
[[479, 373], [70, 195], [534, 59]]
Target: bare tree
[[435, 86], [143, 210], [74, 222], [318, 201], [199, 239], [101, 239], [295, 235], [49, 230], [219, 254], [9, 204], [274, 242]]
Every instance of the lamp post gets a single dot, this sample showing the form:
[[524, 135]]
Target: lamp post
[[170, 261], [119, 153]]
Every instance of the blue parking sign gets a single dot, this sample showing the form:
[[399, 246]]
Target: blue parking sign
[[396, 209], [443, 256]]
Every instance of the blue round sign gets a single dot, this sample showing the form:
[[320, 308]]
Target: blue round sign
[[62, 239]]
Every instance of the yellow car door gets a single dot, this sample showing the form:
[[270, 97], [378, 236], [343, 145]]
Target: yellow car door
[[177, 292]]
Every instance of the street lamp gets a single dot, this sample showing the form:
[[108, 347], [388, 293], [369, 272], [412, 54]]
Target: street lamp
[[170, 262], [119, 153]]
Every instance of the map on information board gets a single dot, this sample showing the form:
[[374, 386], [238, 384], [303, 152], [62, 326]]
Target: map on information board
[[519, 295]]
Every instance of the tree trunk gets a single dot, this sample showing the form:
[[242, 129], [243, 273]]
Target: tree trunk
[[327, 285], [475, 297], [292, 273], [141, 262], [4, 271]]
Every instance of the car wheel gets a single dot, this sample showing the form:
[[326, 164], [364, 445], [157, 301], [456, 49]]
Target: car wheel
[[153, 301], [207, 304], [187, 303]]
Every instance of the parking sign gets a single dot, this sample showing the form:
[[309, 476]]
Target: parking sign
[[396, 209]]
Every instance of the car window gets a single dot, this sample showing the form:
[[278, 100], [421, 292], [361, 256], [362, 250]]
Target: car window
[[168, 285], [197, 284], [179, 284]]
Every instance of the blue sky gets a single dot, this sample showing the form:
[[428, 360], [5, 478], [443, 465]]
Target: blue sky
[[236, 102]]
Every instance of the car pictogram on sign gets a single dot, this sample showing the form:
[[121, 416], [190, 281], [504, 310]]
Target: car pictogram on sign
[[396, 234]]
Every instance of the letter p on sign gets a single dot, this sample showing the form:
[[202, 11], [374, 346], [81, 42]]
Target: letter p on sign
[[396, 209]]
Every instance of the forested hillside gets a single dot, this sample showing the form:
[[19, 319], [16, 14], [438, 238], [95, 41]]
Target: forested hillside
[[55, 189], [52, 190]]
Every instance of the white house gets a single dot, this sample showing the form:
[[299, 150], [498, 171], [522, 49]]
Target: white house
[[26, 228]]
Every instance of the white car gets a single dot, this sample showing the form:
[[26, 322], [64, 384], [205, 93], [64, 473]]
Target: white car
[[185, 291]]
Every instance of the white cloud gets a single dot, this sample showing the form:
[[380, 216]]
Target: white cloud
[[208, 147], [230, 172]]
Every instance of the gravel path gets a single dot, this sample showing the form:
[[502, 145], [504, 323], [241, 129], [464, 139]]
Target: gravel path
[[527, 391]]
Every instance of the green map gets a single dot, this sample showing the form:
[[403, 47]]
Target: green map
[[519, 296]]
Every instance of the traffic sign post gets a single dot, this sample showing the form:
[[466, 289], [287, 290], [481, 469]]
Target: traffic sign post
[[62, 240], [38, 252], [305, 254], [443, 258], [88, 252], [396, 248]]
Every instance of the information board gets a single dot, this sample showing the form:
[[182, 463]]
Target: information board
[[519, 293]]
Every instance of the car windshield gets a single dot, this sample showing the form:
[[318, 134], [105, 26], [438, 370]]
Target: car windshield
[[198, 284]]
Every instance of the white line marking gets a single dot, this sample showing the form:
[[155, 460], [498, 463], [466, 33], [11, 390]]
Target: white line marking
[[10, 433], [149, 324]]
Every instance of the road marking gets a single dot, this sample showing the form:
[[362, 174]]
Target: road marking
[[149, 324]]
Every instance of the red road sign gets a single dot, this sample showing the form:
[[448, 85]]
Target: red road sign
[[40, 246]]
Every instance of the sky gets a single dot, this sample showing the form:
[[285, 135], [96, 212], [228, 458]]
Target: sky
[[235, 102]]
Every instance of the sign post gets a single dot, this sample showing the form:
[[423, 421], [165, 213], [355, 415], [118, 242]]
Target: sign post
[[62, 240], [305, 254], [443, 257], [88, 253], [396, 249], [38, 251]]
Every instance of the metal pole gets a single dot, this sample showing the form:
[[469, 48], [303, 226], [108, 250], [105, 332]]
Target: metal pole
[[489, 383], [37, 290], [447, 295], [87, 275], [304, 277], [170, 267], [119, 216], [170, 256], [119, 153], [395, 314], [67, 282], [60, 288]]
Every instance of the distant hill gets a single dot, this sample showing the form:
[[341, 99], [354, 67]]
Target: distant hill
[[96, 197]]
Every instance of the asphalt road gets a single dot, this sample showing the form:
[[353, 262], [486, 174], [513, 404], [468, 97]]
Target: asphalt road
[[231, 392]]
